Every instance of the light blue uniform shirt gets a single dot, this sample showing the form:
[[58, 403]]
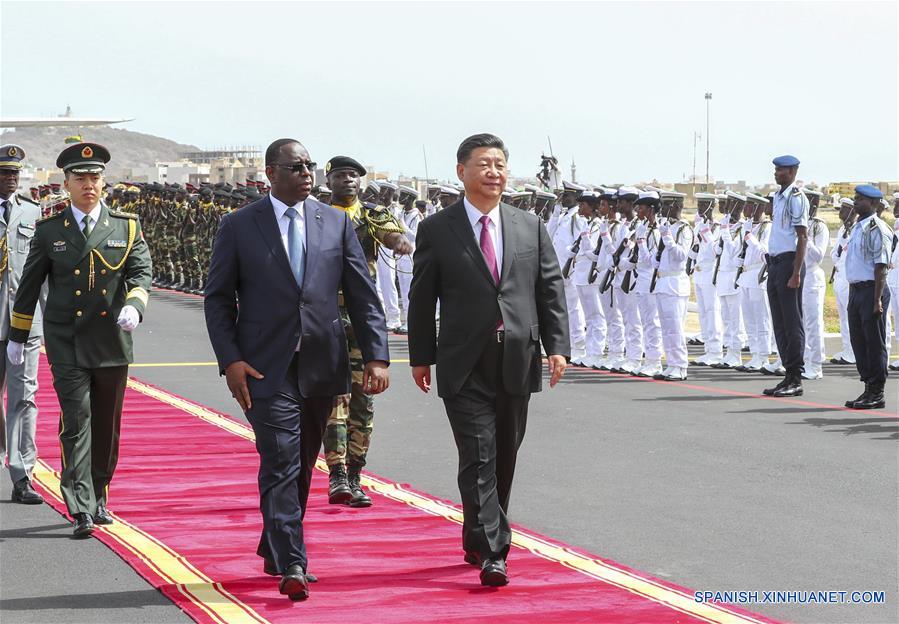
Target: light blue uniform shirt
[[790, 212], [869, 245]]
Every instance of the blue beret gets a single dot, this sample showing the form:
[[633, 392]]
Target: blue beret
[[786, 161], [866, 190]]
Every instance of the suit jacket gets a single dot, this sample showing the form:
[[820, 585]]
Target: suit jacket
[[89, 281], [256, 312], [530, 299], [17, 236]]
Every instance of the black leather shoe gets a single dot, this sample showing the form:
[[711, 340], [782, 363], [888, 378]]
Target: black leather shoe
[[472, 558], [493, 573], [360, 498], [23, 493], [861, 397], [792, 388], [294, 584], [268, 566], [83, 526], [777, 388], [338, 489], [102, 516], [874, 400]]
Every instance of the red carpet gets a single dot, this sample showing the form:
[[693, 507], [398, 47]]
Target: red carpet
[[186, 502]]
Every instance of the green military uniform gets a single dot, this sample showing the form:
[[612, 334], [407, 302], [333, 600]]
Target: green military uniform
[[90, 278], [348, 433]]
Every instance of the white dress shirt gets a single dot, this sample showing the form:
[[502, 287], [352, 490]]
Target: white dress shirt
[[79, 216], [284, 221], [495, 231]]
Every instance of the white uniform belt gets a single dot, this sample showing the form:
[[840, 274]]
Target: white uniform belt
[[670, 273]]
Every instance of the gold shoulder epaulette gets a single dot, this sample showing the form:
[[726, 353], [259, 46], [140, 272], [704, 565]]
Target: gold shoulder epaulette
[[123, 215], [27, 199], [50, 217]]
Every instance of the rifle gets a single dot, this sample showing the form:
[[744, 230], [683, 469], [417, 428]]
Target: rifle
[[593, 272], [655, 271], [566, 270], [616, 258], [694, 250], [846, 230]]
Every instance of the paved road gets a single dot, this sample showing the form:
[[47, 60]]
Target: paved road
[[696, 483]]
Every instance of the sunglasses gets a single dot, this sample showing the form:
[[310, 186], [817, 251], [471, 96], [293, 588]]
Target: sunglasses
[[299, 166]]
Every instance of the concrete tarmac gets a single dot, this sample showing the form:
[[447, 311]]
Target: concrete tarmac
[[704, 483]]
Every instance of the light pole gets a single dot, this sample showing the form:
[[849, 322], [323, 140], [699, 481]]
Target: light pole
[[708, 99], [696, 137]]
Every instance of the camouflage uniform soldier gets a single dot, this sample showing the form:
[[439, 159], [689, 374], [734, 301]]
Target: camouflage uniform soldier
[[348, 433]]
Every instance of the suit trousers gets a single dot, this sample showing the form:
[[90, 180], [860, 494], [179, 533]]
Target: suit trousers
[[289, 430], [488, 426], [786, 312], [868, 332], [19, 420], [90, 424]]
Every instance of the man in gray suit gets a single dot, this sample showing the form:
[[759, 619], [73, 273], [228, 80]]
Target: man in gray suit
[[17, 218], [493, 269]]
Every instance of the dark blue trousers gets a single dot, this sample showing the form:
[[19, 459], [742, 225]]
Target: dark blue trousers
[[786, 312], [867, 332], [289, 430]]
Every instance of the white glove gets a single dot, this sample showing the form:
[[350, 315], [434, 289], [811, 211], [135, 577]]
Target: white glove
[[585, 234], [665, 229], [642, 230], [604, 228], [15, 352], [726, 220], [747, 226], [697, 219], [128, 318]]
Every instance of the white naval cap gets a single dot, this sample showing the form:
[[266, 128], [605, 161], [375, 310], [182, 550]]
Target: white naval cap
[[734, 195], [671, 194], [624, 191], [532, 188], [809, 191], [757, 198], [648, 195], [408, 190], [589, 195], [705, 196], [846, 201], [388, 184], [572, 187], [449, 190]]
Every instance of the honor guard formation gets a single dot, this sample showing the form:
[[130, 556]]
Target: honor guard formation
[[78, 262]]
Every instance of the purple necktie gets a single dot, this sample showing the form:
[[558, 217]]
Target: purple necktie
[[487, 248]]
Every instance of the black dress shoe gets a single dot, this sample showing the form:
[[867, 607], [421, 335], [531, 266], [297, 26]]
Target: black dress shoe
[[82, 526], [874, 400], [771, 391], [472, 558], [294, 584], [793, 388], [23, 493], [268, 566], [493, 573], [338, 489], [861, 397], [102, 516]]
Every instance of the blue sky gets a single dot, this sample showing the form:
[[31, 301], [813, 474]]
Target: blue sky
[[618, 86]]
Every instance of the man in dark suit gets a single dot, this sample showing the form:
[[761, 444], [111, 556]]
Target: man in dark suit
[[273, 319], [497, 278]]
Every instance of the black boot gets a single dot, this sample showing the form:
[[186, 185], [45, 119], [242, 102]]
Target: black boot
[[874, 400], [23, 493], [338, 490], [861, 397], [792, 387], [777, 388], [360, 498]]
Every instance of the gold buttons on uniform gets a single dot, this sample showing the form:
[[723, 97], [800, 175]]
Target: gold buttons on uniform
[[79, 313], [77, 271], [103, 292], [102, 271], [77, 293]]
